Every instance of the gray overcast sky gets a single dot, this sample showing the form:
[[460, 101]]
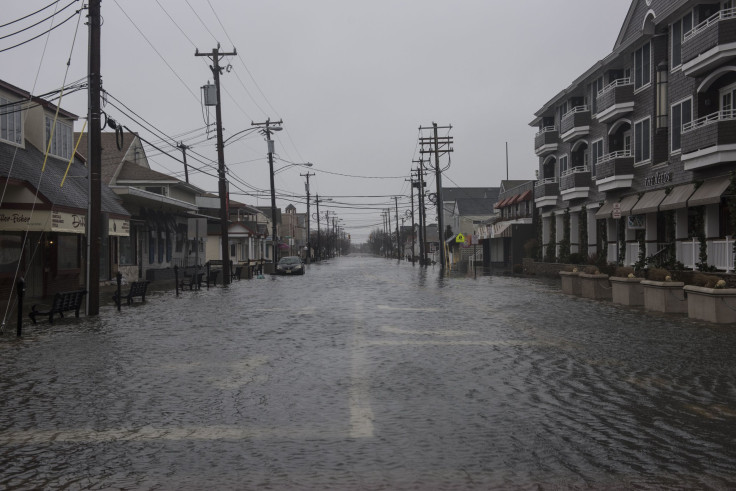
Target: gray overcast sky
[[351, 80]]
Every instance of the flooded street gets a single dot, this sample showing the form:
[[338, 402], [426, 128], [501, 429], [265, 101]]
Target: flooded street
[[368, 374]]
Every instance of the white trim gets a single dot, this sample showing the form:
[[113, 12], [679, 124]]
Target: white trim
[[715, 55], [549, 147], [615, 182], [576, 145], [633, 153], [615, 110], [546, 160], [713, 76], [575, 131], [575, 193], [709, 156], [672, 115], [615, 126]]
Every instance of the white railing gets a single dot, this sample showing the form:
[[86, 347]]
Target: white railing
[[614, 155], [576, 109], [616, 83], [576, 170], [725, 115], [717, 17], [549, 180], [720, 253], [632, 253], [546, 129]]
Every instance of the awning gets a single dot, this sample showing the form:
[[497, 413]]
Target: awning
[[525, 196], [649, 203], [504, 202], [513, 199], [710, 192], [628, 203], [678, 197], [604, 211], [501, 229]]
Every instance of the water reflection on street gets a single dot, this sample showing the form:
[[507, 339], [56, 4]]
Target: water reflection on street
[[366, 373]]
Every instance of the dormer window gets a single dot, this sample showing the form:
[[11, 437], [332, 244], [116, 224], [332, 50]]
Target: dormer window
[[61, 142], [11, 126]]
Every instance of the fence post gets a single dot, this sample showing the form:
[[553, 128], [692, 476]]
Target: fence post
[[21, 287], [119, 277], [176, 279], [729, 254]]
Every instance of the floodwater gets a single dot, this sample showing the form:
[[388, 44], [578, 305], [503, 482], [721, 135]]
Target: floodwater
[[370, 374]]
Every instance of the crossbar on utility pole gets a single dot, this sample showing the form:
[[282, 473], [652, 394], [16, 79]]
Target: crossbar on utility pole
[[216, 56], [438, 142]]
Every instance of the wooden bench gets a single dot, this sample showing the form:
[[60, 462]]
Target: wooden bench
[[193, 281], [63, 302], [137, 289]]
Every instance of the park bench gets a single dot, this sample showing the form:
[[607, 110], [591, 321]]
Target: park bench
[[193, 281], [62, 302], [137, 289]]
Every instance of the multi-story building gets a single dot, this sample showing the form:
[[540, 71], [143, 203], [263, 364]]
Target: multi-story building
[[647, 134]]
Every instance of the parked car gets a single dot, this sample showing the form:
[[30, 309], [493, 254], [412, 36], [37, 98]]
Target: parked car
[[290, 265]]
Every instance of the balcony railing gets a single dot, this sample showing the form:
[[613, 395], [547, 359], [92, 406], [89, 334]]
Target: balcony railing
[[575, 122], [575, 170], [575, 182], [615, 100], [545, 181], [546, 191], [546, 140], [710, 21], [726, 115], [717, 31], [615, 170]]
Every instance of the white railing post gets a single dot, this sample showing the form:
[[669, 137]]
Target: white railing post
[[694, 261]]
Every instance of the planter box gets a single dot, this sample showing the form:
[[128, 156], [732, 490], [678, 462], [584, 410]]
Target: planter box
[[711, 304], [627, 291], [595, 286], [664, 296], [570, 283]]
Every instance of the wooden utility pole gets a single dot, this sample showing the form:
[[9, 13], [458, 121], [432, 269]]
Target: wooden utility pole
[[398, 230], [309, 244], [438, 142], [216, 56], [184, 149], [413, 232], [94, 163], [268, 128]]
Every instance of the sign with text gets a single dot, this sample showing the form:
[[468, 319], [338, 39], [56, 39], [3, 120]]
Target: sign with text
[[41, 221]]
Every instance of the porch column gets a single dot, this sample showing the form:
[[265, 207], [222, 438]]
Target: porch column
[[592, 233], [650, 235], [546, 221], [559, 232], [574, 232], [612, 234]]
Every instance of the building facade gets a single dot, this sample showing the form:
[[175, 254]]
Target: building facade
[[635, 155]]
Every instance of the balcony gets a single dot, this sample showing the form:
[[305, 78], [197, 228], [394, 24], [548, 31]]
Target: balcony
[[615, 100], [710, 43], [546, 192], [575, 123], [615, 171], [545, 142], [575, 183], [710, 140]]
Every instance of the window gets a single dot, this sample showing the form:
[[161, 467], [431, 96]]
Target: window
[[11, 126], [642, 67], [682, 113], [679, 29], [597, 153], [728, 94], [61, 142], [642, 141], [127, 248], [67, 248], [563, 165], [11, 247], [597, 87]]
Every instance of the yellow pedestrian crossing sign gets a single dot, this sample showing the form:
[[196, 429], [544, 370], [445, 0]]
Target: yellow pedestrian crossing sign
[[460, 239]]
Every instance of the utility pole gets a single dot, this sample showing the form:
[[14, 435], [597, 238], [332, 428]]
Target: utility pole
[[390, 234], [422, 214], [319, 240], [398, 230], [309, 245], [94, 222], [184, 149], [445, 141], [216, 56], [413, 231], [267, 130]]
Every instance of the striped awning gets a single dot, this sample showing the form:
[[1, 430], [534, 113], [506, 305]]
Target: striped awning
[[709, 192], [678, 197], [649, 203]]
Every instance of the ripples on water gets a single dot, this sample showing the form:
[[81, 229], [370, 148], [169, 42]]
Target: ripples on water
[[367, 375]]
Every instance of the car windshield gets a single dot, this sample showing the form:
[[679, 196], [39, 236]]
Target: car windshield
[[290, 260]]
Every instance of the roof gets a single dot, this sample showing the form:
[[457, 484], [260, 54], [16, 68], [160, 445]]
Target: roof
[[8, 87], [471, 206], [453, 194], [25, 164]]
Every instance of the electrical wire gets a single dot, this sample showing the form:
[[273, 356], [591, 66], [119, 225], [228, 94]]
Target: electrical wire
[[40, 21], [30, 15], [43, 33]]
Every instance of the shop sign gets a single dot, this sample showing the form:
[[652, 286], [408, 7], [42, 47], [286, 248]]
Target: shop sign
[[41, 221], [658, 178], [118, 227]]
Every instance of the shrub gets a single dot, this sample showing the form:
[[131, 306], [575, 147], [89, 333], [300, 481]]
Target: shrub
[[576, 258], [591, 270], [531, 248], [518, 269], [657, 274], [624, 271]]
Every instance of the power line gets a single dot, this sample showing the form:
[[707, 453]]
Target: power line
[[30, 15], [40, 21], [43, 33]]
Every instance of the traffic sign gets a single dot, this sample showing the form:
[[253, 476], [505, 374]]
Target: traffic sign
[[460, 239], [616, 210]]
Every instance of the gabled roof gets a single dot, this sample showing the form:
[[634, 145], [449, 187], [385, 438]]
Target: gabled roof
[[453, 194], [22, 94], [25, 164]]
